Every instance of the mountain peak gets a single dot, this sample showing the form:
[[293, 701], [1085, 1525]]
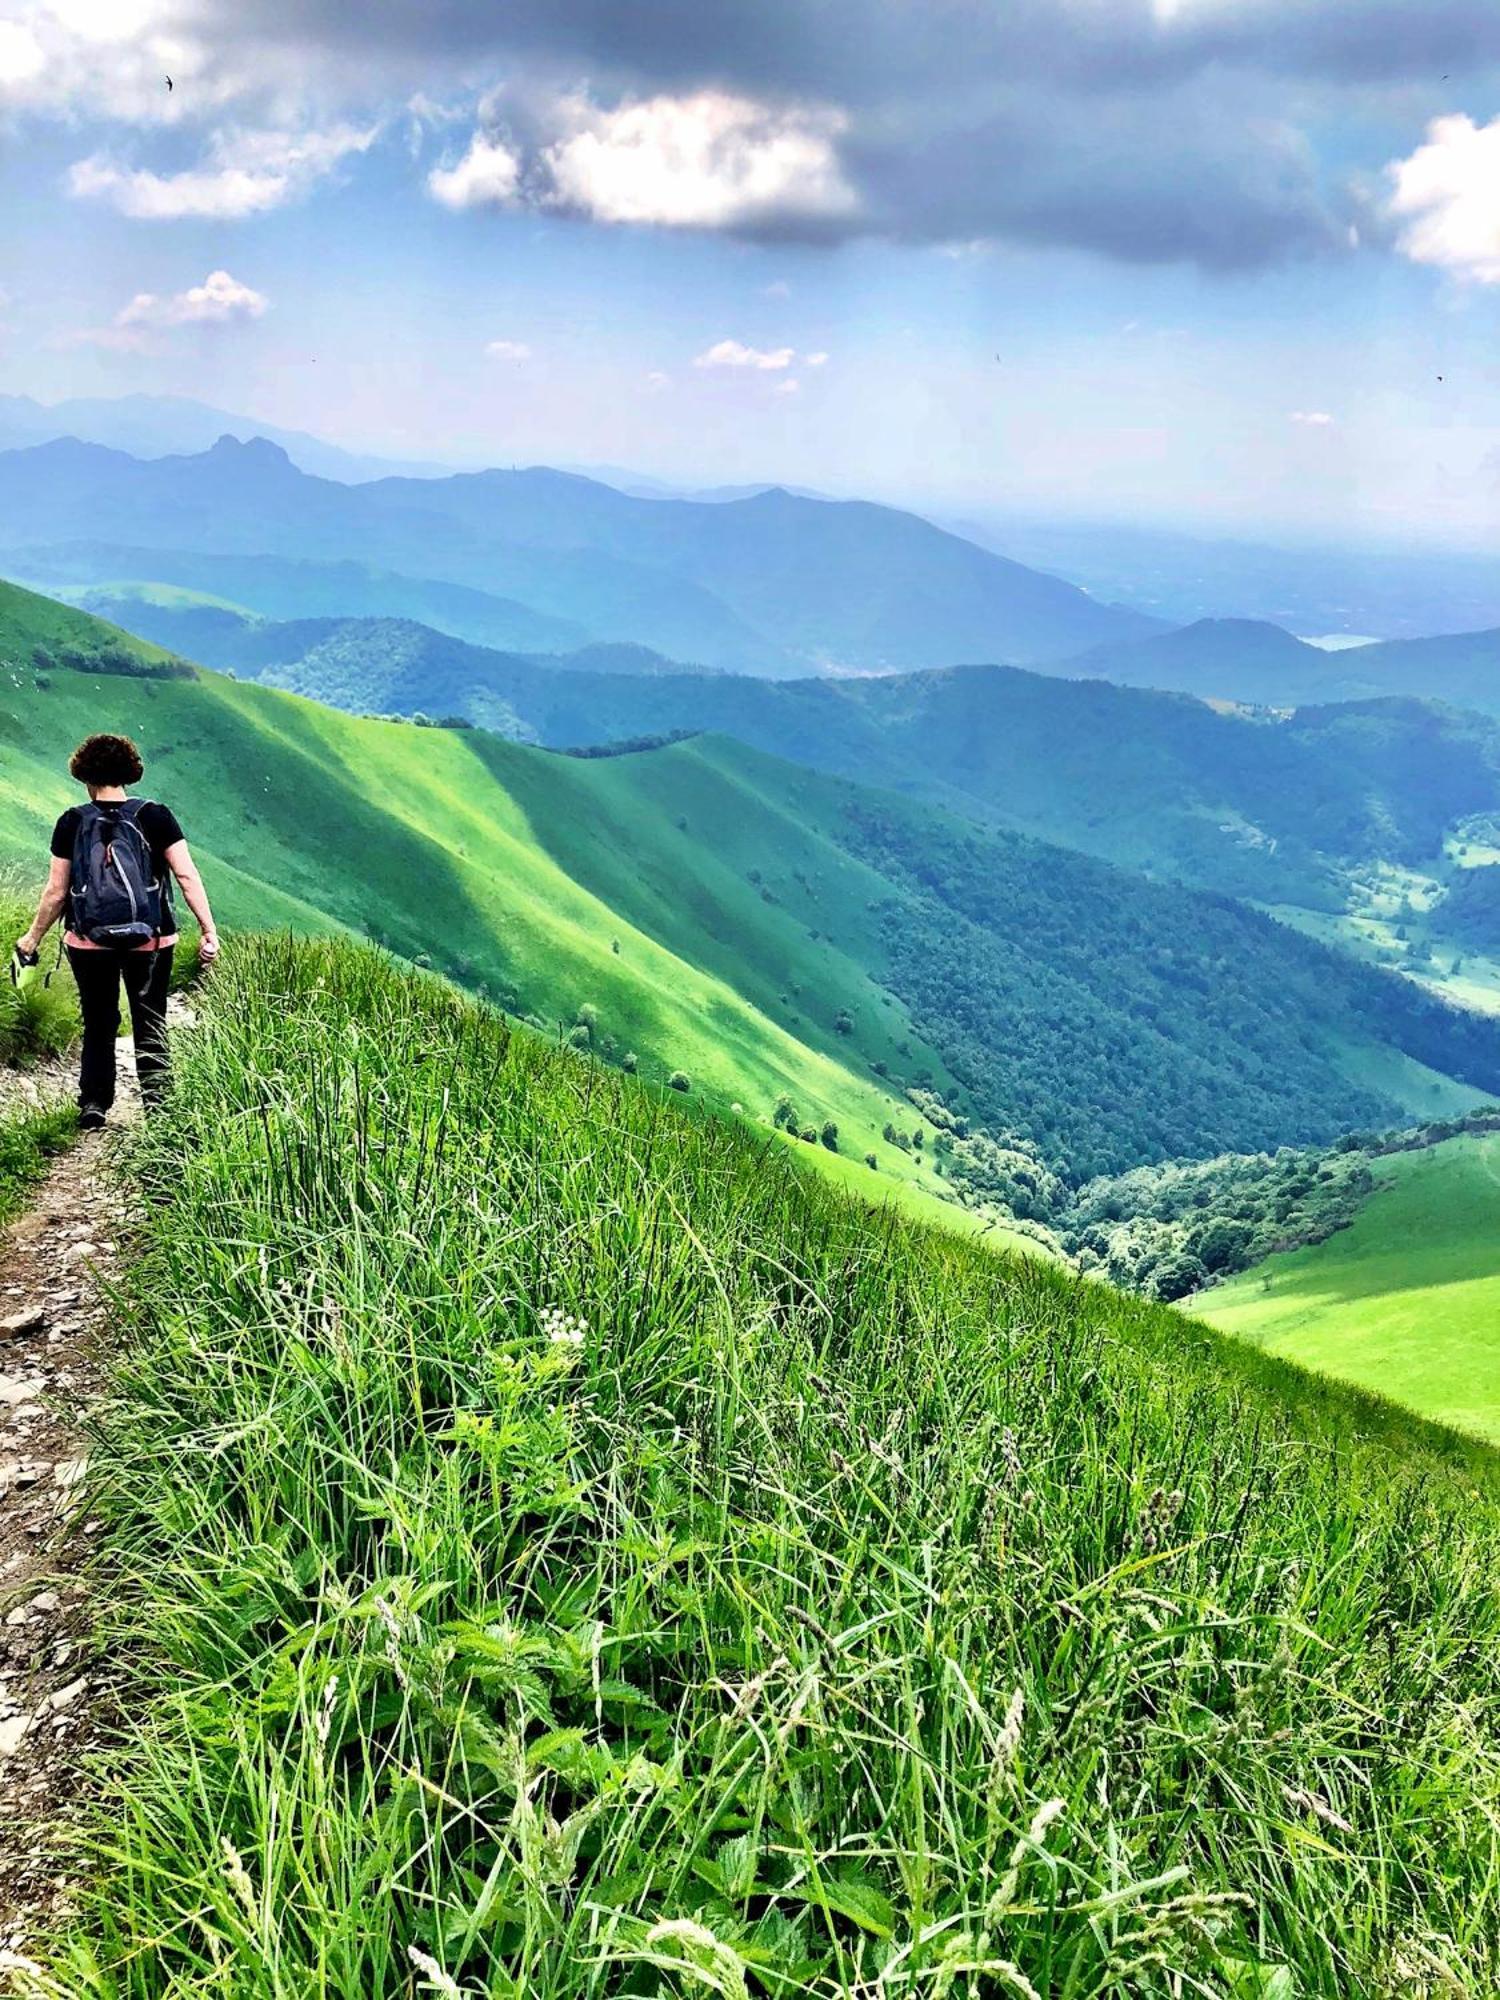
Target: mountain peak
[[248, 451], [1242, 630]]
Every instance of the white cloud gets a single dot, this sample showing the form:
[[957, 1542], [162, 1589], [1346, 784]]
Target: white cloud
[[787, 388], [21, 56], [219, 301], [428, 110], [1448, 193], [777, 289], [657, 380], [112, 58], [710, 161], [818, 360], [102, 20], [1319, 419], [735, 354], [245, 173], [488, 176], [508, 350]]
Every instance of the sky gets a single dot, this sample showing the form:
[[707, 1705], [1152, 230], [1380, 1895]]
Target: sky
[[1231, 265]]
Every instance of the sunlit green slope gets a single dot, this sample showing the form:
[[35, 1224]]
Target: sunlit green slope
[[1406, 1301], [557, 1551], [423, 838], [774, 939]]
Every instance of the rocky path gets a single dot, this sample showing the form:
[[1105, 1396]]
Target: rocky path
[[54, 1259]]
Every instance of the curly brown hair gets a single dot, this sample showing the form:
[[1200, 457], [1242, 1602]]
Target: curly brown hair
[[106, 760]]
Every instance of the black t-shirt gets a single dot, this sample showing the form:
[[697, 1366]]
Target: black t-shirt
[[157, 823]]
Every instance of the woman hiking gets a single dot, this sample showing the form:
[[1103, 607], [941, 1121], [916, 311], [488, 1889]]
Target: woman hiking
[[112, 860]]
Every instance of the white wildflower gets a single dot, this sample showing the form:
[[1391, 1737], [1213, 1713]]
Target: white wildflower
[[434, 1979], [560, 1328]]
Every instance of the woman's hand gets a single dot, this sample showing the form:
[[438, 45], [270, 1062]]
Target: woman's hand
[[208, 947], [27, 946]]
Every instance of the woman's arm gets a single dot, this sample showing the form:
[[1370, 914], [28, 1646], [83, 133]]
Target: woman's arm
[[195, 896], [50, 908]]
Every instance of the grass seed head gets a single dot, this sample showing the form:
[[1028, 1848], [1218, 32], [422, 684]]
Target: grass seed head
[[434, 1979]]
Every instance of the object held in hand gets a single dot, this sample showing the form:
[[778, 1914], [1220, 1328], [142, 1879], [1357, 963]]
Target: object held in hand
[[21, 964]]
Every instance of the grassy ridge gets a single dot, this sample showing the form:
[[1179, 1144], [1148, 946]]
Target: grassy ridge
[[558, 1548], [28, 621], [317, 820], [718, 914], [1406, 1300]]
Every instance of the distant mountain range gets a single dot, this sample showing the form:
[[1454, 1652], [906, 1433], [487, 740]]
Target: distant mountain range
[[769, 930], [1241, 659], [185, 585], [1274, 810], [772, 584], [1171, 576], [164, 426], [1312, 588]]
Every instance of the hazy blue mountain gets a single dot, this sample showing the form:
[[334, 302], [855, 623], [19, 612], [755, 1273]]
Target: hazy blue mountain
[[770, 584], [281, 587], [1310, 588], [1230, 659], [1461, 667], [162, 426], [836, 583], [393, 666], [1246, 803], [1242, 659]]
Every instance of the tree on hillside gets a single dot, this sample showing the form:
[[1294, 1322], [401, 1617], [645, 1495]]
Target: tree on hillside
[[1175, 1277]]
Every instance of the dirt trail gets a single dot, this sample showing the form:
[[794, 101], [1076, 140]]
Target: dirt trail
[[53, 1259]]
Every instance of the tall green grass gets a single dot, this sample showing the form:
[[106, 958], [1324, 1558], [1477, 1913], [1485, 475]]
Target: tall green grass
[[29, 1141], [555, 1547], [40, 1018]]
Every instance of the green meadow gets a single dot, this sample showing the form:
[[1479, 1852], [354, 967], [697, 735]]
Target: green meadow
[[455, 848], [1405, 1301], [555, 1546]]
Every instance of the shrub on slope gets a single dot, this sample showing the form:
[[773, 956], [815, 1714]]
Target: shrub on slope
[[38, 636], [558, 1548]]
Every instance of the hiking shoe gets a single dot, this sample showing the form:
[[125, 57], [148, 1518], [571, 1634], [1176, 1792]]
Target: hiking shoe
[[90, 1118]]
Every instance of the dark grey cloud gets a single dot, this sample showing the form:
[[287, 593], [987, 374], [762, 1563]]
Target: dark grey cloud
[[869, 51], [1146, 130]]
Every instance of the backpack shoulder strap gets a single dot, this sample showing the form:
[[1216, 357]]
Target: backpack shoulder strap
[[88, 813]]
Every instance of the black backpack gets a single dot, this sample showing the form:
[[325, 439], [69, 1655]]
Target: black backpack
[[115, 897]]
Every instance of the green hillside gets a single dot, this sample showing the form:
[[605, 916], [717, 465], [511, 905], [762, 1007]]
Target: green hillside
[[307, 817], [1068, 1000], [787, 942], [558, 1549], [777, 938], [1406, 1300], [38, 635], [1291, 811]]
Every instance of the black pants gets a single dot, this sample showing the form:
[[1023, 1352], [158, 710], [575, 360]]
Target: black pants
[[146, 975]]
